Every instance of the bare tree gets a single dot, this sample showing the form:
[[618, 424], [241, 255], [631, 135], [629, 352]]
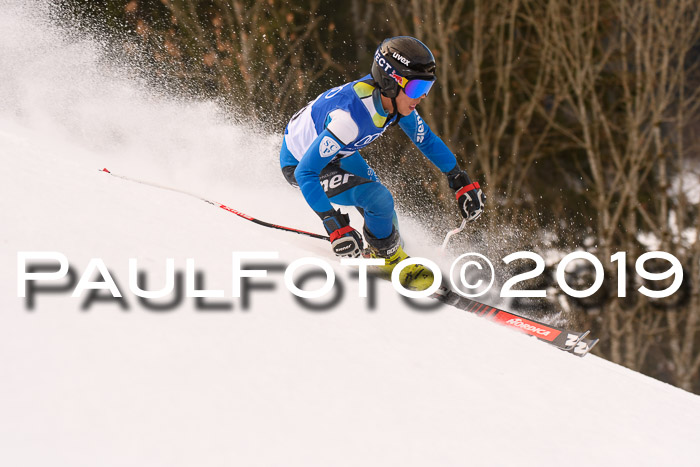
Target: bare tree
[[495, 72], [264, 55], [620, 73], [600, 91]]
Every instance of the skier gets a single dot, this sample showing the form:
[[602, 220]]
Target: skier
[[320, 154]]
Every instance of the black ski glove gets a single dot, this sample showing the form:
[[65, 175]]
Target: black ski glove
[[470, 198], [345, 241]]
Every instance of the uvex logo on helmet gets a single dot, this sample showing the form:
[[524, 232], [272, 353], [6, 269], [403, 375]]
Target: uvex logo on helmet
[[401, 58]]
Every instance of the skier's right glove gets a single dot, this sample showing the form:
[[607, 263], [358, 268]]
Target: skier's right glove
[[345, 241], [470, 198]]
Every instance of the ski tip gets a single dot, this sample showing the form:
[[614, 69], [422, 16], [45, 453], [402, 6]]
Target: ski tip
[[584, 347], [592, 344], [105, 170]]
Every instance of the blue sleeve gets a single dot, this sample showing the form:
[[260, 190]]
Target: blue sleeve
[[319, 154], [428, 142]]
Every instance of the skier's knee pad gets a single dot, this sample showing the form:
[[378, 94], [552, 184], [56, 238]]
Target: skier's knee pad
[[288, 173]]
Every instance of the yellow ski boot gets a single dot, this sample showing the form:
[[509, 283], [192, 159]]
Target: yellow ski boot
[[413, 276]]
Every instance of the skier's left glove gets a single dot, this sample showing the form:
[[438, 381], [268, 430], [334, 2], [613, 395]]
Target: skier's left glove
[[345, 241], [470, 198]]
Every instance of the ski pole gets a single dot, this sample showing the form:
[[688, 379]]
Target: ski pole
[[222, 206], [453, 232]]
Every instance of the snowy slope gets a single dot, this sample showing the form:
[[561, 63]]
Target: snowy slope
[[276, 384]]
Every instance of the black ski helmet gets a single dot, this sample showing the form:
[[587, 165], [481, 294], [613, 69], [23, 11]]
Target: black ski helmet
[[404, 56]]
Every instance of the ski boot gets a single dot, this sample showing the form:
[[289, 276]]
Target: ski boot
[[412, 277]]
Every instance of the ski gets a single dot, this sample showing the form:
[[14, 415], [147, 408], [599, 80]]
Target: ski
[[574, 342]]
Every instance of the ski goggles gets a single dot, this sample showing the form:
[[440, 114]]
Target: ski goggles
[[413, 88], [416, 88]]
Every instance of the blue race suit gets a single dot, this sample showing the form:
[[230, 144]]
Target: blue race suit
[[320, 152]]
